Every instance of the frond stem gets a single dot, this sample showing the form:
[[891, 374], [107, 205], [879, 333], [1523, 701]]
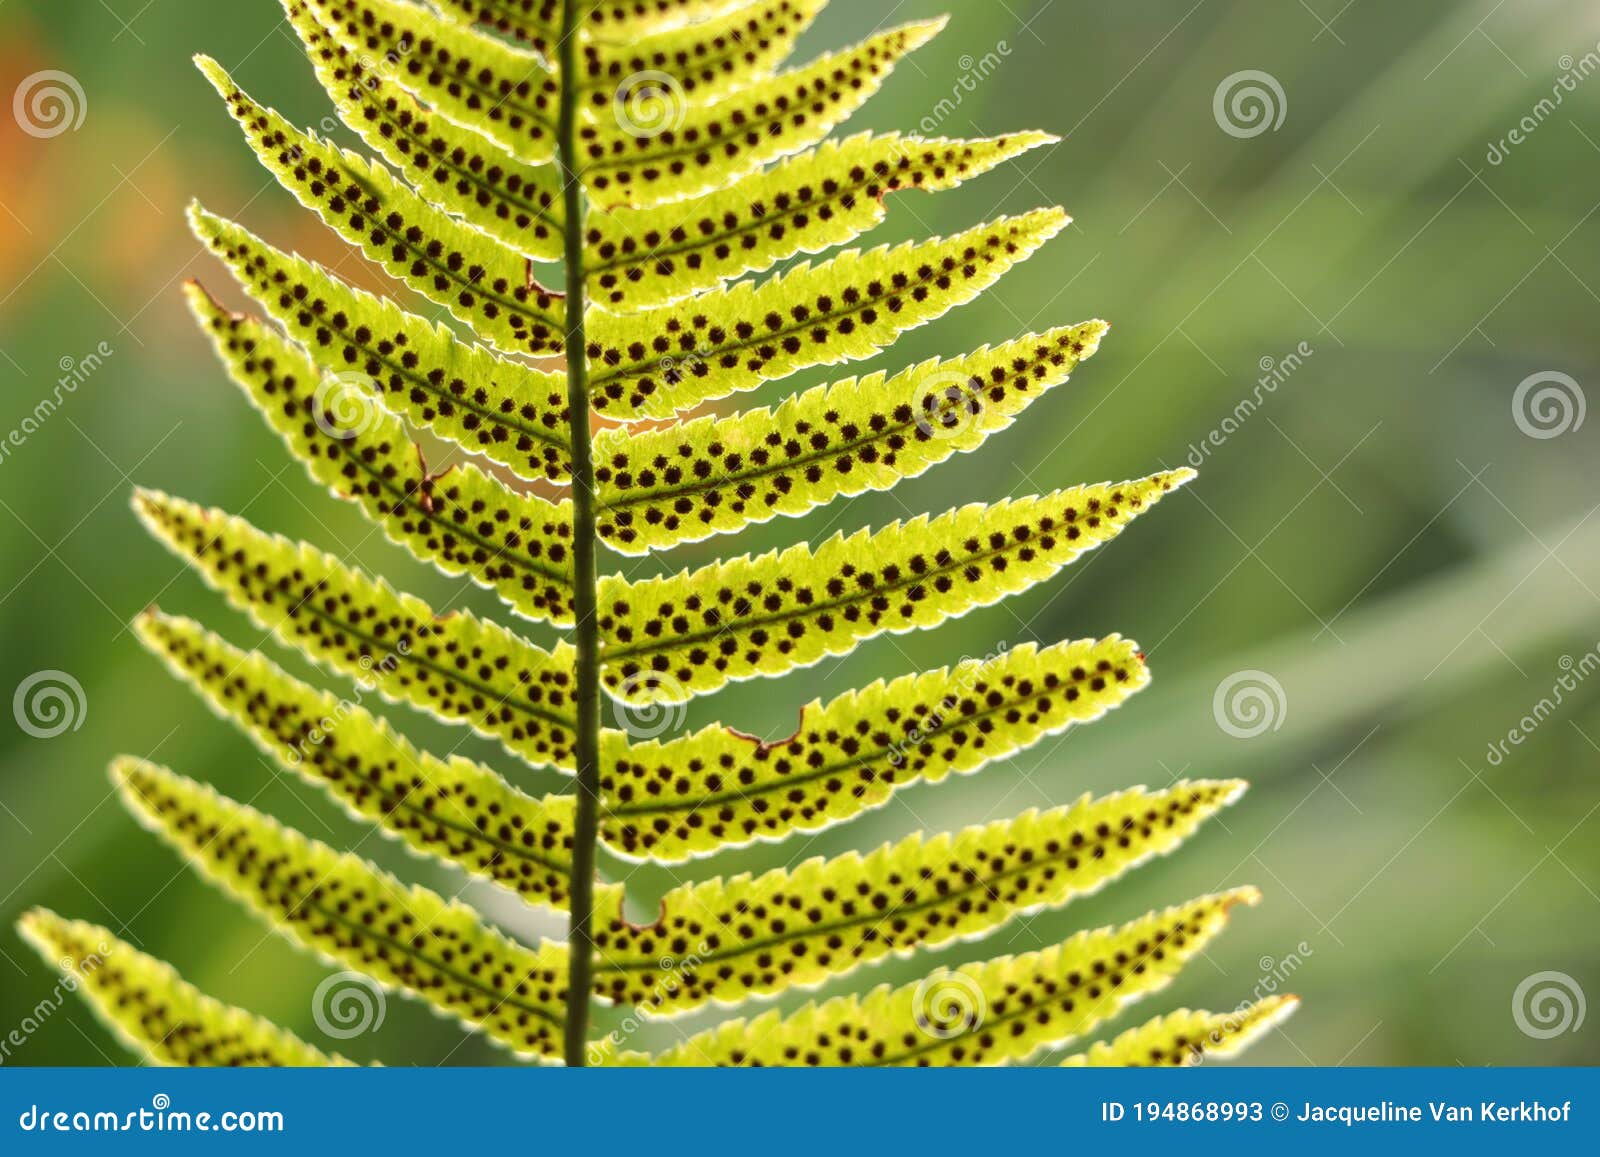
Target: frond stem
[[586, 631]]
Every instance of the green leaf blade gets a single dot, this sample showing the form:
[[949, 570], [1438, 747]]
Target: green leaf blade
[[751, 937], [480, 83], [461, 520], [509, 412], [640, 258], [657, 363], [717, 475], [356, 916], [1005, 1010], [452, 809], [625, 163], [152, 1010], [455, 667], [454, 168], [483, 285], [1185, 1038], [666, 639], [672, 800]]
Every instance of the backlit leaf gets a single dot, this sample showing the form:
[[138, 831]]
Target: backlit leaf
[[676, 798], [806, 204], [481, 284], [353, 915], [1189, 1038], [667, 639], [453, 167], [154, 1011], [462, 520], [656, 363], [456, 667], [1001, 1011], [717, 475], [452, 808], [632, 160], [506, 411], [729, 939]]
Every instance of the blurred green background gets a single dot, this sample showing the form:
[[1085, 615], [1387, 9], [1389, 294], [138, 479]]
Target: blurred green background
[[1381, 539]]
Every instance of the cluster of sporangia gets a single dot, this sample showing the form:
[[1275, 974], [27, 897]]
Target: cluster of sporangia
[[702, 163]]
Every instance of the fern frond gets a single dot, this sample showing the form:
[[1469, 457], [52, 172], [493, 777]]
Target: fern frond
[[455, 168], [1187, 1038], [730, 939], [619, 21], [644, 257], [696, 63], [453, 809], [537, 23], [716, 475], [456, 667], [690, 796], [657, 363], [666, 639], [479, 82], [508, 412], [1001, 1011], [462, 520], [715, 143], [482, 284], [350, 913], [152, 1010]]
